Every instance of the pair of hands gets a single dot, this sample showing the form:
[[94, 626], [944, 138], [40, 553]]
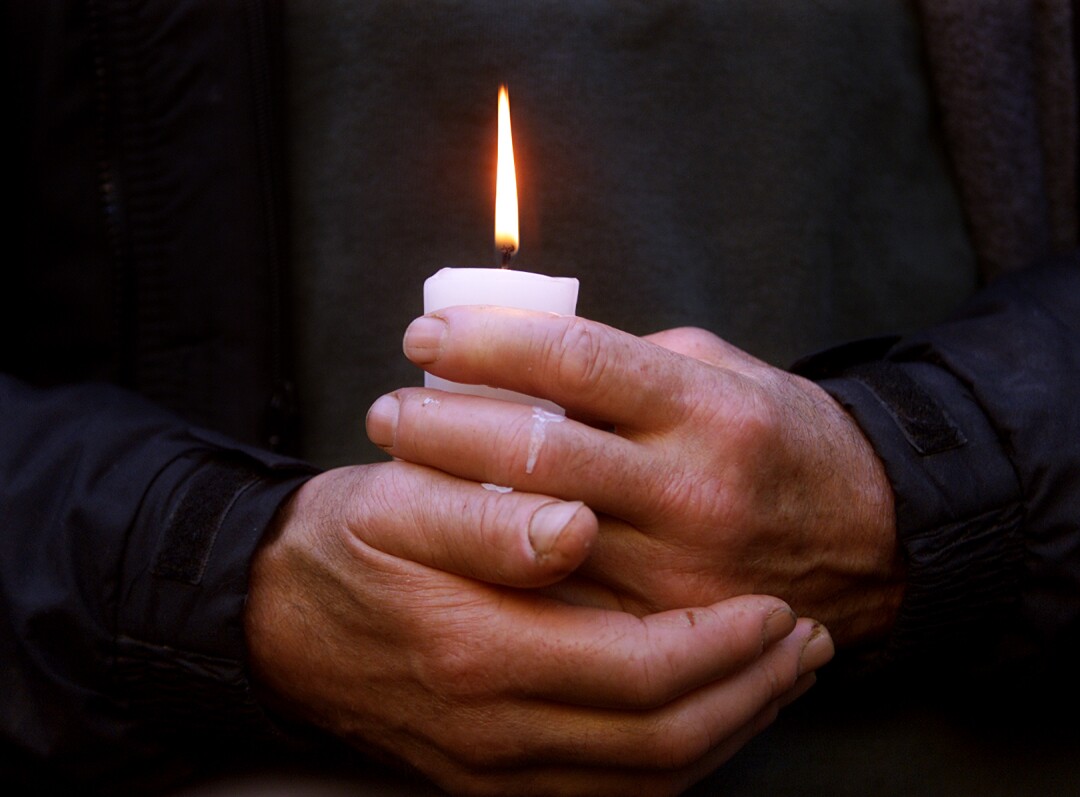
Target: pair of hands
[[388, 605]]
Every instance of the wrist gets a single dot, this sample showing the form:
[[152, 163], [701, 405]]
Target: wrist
[[869, 551], [957, 501]]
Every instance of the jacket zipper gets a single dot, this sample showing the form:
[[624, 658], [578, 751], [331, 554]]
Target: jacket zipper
[[280, 427], [110, 192]]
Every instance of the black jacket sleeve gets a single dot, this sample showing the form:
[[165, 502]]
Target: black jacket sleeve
[[977, 421], [126, 537]]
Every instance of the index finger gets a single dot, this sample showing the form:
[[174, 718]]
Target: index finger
[[589, 368]]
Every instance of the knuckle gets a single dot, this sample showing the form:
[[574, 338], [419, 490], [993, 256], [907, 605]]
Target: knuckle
[[577, 456], [780, 678], [754, 420], [377, 500], [513, 444], [413, 414], [648, 685], [455, 671], [492, 518], [694, 341], [500, 528], [578, 358], [746, 413], [686, 496], [680, 745], [705, 501]]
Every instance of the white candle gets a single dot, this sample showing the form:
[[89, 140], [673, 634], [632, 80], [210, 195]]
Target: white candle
[[501, 287]]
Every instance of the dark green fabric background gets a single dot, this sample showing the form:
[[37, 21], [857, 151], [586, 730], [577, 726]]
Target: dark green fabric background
[[768, 169], [771, 171]]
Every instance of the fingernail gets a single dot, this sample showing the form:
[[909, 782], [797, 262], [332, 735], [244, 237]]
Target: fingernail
[[423, 339], [382, 420], [778, 624], [548, 523], [817, 650]]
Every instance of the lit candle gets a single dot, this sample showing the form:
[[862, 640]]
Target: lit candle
[[500, 286]]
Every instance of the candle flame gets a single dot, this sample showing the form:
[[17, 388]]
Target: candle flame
[[506, 204]]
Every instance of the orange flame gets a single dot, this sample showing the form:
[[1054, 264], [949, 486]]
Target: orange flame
[[506, 204]]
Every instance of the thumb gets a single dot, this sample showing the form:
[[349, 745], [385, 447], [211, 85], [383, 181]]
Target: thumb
[[491, 534]]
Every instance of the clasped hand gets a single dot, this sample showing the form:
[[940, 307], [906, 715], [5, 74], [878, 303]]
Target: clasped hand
[[715, 474], [388, 608], [604, 628]]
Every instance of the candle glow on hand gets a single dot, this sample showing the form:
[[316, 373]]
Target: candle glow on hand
[[506, 204]]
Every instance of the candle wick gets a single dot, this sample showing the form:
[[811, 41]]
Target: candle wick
[[507, 253]]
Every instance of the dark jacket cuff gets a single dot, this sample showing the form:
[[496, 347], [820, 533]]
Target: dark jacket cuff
[[957, 496], [181, 654]]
